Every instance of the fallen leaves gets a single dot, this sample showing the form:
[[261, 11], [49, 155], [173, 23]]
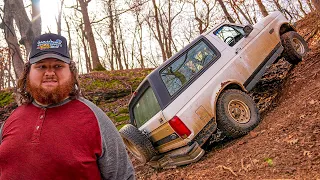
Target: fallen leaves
[[307, 153], [290, 140]]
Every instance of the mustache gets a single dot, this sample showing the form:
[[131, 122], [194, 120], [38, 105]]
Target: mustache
[[50, 80]]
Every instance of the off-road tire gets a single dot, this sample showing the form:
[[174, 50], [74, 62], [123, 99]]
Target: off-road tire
[[248, 118], [137, 143], [295, 47]]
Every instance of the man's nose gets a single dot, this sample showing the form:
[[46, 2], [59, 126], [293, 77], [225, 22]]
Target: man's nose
[[49, 72]]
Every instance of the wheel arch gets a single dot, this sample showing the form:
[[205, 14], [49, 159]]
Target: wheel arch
[[286, 27], [230, 84]]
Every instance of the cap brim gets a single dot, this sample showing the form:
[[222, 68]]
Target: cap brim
[[49, 55]]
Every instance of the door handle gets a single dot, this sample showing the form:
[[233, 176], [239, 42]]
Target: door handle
[[238, 49]]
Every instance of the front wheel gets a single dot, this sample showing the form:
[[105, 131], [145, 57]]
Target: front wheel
[[295, 47], [237, 113]]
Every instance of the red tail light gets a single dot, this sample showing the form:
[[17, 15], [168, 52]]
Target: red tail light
[[179, 127]]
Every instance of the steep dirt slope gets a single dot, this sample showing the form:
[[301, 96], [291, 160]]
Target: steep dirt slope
[[286, 144]]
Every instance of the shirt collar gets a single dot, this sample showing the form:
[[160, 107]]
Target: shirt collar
[[65, 101]]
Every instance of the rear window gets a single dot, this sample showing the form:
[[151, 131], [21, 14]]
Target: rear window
[[184, 68], [146, 107]]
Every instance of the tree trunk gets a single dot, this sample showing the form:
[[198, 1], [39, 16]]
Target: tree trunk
[[140, 46], [15, 10], [96, 65], [310, 5], [112, 33], [69, 37], [316, 4], [242, 13], [58, 19], [159, 39], [86, 54], [11, 37], [262, 8], [228, 16], [235, 11]]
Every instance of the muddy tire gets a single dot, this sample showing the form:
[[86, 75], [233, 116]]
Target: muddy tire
[[237, 113], [137, 143], [295, 47]]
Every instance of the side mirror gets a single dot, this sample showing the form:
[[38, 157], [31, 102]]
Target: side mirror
[[247, 30]]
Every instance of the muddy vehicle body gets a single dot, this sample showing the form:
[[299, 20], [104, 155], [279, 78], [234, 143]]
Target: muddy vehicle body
[[200, 93]]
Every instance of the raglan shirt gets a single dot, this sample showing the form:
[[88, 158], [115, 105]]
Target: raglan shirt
[[71, 140]]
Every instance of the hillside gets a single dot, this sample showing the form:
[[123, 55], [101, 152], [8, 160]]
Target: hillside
[[285, 145]]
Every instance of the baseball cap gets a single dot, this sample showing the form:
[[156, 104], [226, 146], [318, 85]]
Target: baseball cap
[[49, 46]]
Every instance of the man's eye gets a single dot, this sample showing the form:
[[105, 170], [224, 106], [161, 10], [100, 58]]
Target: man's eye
[[58, 66], [41, 67]]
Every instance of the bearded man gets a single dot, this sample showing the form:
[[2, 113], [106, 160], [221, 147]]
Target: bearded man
[[56, 133]]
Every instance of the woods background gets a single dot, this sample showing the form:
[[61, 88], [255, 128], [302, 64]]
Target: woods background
[[116, 35]]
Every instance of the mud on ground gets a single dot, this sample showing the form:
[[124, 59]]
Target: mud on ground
[[286, 144]]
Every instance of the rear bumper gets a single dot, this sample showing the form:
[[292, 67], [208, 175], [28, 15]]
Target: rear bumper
[[178, 157]]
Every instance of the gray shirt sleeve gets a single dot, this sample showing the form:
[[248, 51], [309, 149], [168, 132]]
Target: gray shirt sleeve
[[114, 162], [1, 129]]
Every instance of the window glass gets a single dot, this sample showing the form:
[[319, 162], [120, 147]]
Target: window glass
[[230, 34], [186, 66], [146, 107]]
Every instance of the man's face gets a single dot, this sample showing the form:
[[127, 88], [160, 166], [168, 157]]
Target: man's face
[[49, 81]]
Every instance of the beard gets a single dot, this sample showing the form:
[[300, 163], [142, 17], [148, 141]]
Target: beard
[[50, 96]]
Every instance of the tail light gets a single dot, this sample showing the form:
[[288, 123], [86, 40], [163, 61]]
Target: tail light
[[179, 127]]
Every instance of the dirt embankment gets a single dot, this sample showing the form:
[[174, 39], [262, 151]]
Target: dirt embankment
[[286, 144]]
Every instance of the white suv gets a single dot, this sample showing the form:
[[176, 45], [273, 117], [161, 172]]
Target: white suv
[[199, 94]]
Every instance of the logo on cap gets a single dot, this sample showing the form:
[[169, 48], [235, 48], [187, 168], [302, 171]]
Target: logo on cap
[[49, 44]]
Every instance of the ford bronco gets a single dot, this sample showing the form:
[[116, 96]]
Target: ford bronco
[[200, 93]]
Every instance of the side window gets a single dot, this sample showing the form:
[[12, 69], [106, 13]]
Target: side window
[[146, 107], [183, 69], [230, 34]]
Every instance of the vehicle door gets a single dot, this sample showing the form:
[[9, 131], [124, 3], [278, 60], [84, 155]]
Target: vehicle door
[[249, 51]]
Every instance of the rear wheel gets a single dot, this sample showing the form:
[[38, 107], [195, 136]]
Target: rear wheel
[[295, 47], [237, 113], [137, 143]]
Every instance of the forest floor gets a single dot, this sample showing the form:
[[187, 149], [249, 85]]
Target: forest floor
[[286, 144]]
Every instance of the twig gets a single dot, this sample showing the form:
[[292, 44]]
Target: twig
[[229, 169], [243, 166]]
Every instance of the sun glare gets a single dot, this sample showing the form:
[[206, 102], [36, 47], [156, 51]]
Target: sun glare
[[49, 12]]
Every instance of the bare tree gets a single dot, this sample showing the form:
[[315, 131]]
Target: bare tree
[[237, 6], [14, 11], [138, 40], [203, 17], [310, 5], [69, 36], [96, 65], [160, 22], [233, 6], [112, 33], [58, 19], [262, 8], [225, 11]]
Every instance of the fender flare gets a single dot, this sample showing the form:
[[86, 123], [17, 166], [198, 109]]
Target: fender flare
[[229, 84]]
